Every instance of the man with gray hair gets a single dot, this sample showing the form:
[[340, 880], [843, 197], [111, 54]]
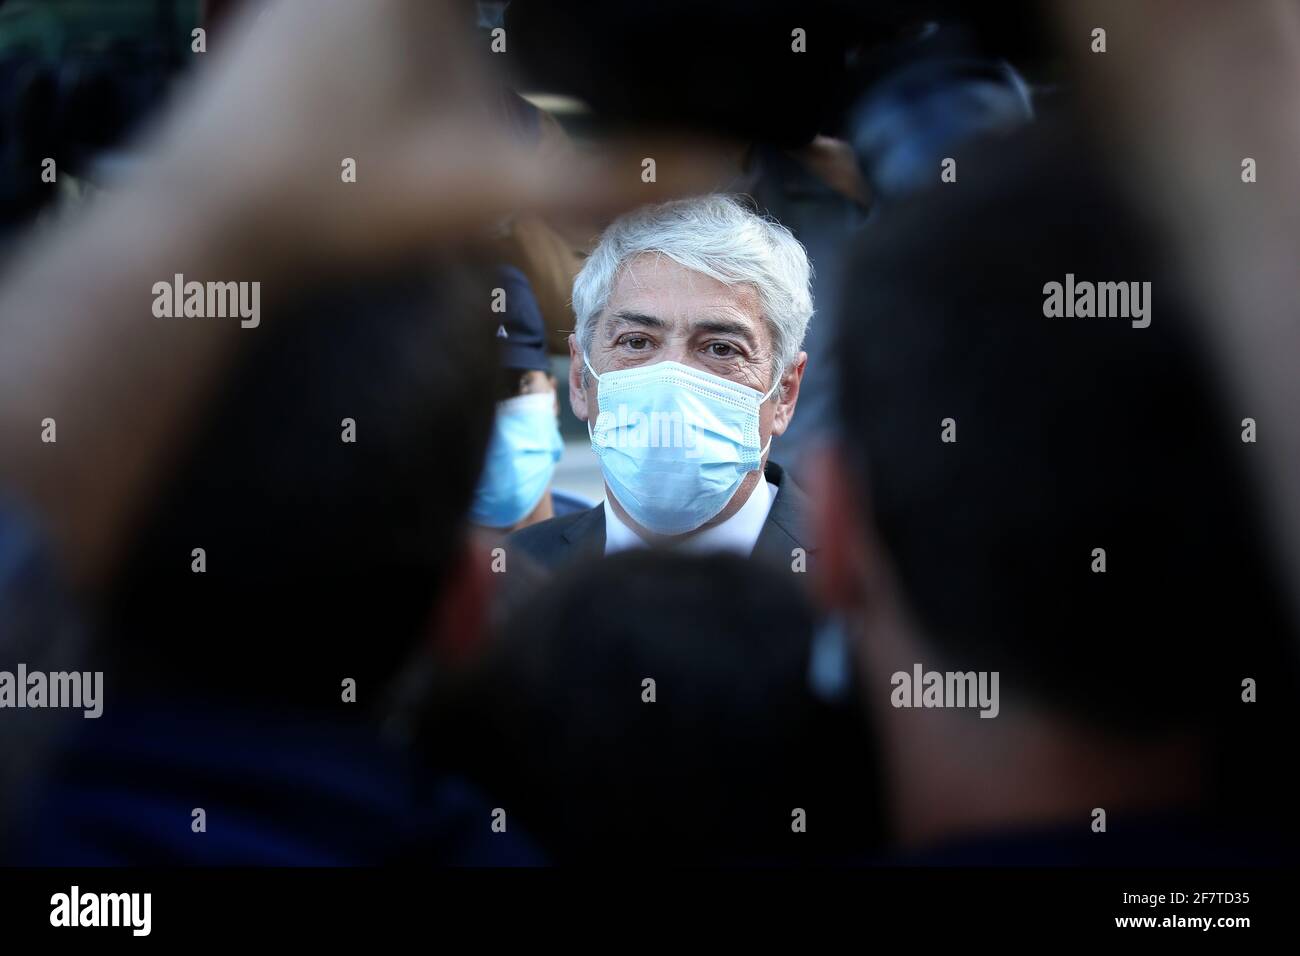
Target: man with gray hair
[[685, 364]]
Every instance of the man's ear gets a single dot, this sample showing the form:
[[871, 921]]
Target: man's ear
[[842, 528], [787, 394], [459, 622], [577, 394]]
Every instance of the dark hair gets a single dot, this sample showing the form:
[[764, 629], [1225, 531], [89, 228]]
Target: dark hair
[[324, 557], [554, 724], [1072, 434]]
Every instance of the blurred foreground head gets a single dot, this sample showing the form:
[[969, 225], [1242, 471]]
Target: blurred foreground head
[[324, 557], [991, 453], [655, 706]]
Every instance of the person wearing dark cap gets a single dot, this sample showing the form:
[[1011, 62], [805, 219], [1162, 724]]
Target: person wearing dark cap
[[514, 489]]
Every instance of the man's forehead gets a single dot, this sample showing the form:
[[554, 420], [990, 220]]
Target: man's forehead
[[657, 286]]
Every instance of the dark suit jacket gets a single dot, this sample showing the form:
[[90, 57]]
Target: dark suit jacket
[[560, 540]]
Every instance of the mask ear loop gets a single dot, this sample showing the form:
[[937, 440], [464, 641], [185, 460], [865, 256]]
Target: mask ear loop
[[587, 362], [770, 392]]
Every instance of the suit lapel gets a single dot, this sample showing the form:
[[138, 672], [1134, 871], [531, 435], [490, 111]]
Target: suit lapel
[[586, 535], [786, 526]]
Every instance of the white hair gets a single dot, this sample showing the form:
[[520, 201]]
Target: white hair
[[717, 236]]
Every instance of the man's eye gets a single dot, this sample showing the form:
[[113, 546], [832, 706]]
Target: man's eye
[[721, 350], [636, 342]]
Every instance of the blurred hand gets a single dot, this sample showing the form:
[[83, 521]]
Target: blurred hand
[[242, 181], [396, 85]]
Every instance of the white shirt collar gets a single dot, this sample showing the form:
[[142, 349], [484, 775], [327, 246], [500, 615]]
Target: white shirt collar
[[738, 534]]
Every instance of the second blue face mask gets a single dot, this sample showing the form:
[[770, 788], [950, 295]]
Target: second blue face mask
[[521, 459], [675, 442]]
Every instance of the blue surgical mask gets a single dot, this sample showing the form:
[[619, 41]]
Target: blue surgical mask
[[521, 459], [675, 442]]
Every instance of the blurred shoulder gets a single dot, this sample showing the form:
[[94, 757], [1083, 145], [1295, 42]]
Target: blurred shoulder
[[557, 539], [545, 533]]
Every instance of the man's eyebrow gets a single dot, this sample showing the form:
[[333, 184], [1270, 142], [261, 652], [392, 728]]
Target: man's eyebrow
[[725, 327], [640, 318], [717, 325]]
